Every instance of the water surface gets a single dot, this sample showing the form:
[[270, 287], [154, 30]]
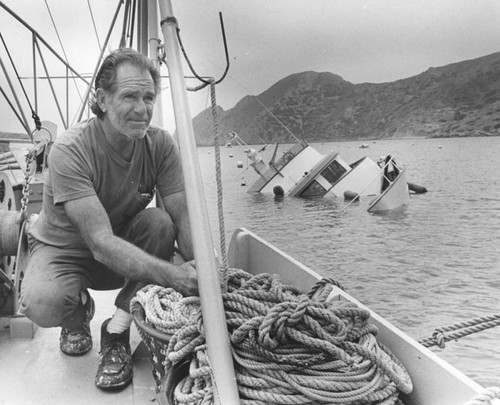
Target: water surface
[[435, 263]]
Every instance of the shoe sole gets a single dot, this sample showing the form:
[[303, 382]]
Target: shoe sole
[[76, 354], [115, 387]]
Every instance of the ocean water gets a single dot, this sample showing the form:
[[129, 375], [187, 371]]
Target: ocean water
[[432, 264]]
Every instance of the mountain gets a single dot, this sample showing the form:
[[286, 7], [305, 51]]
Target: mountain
[[460, 99]]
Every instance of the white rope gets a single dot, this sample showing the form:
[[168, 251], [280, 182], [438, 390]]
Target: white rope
[[166, 309], [288, 349], [485, 397]]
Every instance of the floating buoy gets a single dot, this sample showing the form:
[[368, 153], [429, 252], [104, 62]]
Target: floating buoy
[[278, 191], [239, 164], [351, 195], [416, 188]]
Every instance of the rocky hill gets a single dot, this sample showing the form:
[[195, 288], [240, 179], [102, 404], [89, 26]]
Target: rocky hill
[[460, 99]]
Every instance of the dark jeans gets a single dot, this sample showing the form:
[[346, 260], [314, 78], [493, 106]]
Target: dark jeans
[[50, 292]]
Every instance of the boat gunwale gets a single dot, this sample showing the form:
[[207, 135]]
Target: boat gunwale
[[392, 185]]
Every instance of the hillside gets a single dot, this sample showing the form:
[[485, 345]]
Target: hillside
[[460, 99]]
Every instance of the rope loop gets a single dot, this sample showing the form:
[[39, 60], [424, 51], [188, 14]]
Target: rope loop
[[460, 330], [325, 285], [440, 338]]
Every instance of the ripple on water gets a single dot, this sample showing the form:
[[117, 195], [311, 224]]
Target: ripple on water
[[434, 263]]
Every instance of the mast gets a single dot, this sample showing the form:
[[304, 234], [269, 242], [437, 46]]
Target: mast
[[143, 21], [154, 41], [214, 321]]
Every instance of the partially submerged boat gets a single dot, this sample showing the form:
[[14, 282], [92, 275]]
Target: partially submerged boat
[[394, 192], [25, 353], [301, 171]]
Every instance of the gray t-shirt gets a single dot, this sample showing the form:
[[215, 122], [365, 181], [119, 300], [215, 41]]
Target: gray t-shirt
[[82, 163]]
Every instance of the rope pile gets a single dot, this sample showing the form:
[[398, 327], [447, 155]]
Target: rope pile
[[287, 347]]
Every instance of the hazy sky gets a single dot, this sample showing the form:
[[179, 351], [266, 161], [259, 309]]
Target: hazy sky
[[360, 40]]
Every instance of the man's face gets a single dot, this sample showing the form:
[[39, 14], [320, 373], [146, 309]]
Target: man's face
[[130, 108]]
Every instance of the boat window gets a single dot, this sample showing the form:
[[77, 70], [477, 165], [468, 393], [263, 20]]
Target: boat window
[[313, 189], [333, 172]]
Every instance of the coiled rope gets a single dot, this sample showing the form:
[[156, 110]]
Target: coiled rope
[[460, 330], [287, 347]]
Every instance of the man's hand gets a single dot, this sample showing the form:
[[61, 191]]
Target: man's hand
[[185, 280]]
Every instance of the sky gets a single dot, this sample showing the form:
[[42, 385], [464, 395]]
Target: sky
[[360, 40]]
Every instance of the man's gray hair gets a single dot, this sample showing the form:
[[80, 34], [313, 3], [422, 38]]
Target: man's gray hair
[[106, 76]]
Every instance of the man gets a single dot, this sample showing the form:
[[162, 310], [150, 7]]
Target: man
[[94, 231], [391, 170]]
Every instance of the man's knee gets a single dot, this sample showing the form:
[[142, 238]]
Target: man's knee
[[154, 231], [154, 220], [48, 308]]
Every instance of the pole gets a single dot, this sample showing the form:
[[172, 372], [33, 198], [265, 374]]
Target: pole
[[153, 40], [214, 321]]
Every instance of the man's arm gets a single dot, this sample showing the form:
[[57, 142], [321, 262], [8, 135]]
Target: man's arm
[[121, 256], [176, 206]]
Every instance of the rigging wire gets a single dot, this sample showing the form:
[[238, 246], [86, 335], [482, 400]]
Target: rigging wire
[[201, 79], [88, 91], [268, 110], [207, 82], [62, 46], [34, 114], [17, 114], [278, 120], [57, 32], [93, 23], [126, 25], [256, 99]]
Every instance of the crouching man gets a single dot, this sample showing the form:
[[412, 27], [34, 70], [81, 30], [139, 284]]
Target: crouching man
[[95, 231]]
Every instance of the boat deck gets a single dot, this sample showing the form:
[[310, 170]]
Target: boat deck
[[35, 371]]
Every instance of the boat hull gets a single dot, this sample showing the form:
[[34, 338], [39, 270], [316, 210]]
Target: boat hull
[[286, 173], [396, 195], [435, 381], [317, 180], [364, 178]]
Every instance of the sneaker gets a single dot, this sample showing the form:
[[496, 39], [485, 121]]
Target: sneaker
[[115, 369], [79, 341]]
